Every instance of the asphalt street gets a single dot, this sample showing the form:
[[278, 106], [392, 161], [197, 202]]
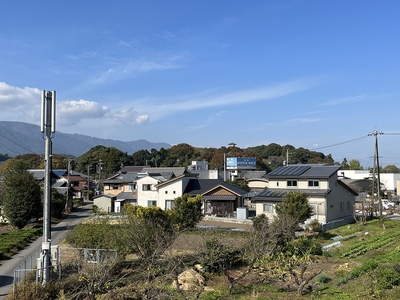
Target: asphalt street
[[58, 233]]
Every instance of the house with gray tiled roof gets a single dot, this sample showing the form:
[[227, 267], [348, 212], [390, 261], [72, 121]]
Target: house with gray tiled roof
[[161, 186], [331, 199]]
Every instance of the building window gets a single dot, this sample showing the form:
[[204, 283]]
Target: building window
[[115, 187], [169, 204], [174, 192], [131, 187], [146, 187], [166, 192], [151, 203], [341, 206], [349, 205], [277, 183], [313, 183], [269, 208], [291, 182]]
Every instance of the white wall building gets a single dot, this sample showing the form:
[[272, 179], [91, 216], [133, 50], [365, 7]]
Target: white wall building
[[389, 180]]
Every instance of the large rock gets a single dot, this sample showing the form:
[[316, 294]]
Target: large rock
[[190, 280]]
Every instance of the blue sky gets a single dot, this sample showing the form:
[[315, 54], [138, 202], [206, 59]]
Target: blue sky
[[312, 74]]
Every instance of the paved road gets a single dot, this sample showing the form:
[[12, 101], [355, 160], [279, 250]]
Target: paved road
[[58, 233]]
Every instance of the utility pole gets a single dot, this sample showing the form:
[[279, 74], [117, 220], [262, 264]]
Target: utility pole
[[67, 204], [376, 163], [224, 167], [99, 171], [47, 126], [88, 182]]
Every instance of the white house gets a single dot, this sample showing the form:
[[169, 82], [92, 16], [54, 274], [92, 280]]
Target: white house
[[332, 200]]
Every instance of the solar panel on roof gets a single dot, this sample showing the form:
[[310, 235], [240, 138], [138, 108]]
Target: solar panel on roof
[[289, 171]]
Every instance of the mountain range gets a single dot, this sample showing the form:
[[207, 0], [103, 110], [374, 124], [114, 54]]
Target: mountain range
[[21, 138]]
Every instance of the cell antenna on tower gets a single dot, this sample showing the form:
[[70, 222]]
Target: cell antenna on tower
[[47, 126]]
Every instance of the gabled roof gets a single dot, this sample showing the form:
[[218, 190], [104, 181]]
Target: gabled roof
[[126, 196], [39, 174], [357, 184], [131, 169], [202, 186], [122, 178], [61, 172], [255, 174], [176, 179], [177, 171], [304, 171], [106, 196]]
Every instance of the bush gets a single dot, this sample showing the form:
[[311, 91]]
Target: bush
[[315, 226], [217, 257], [187, 211], [97, 234], [304, 245], [322, 278]]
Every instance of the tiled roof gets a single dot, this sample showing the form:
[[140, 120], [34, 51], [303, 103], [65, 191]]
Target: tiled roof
[[126, 196], [219, 197], [255, 174], [39, 174], [122, 178], [131, 169], [201, 186], [177, 171]]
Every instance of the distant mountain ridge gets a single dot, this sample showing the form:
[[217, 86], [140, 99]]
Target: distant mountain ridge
[[21, 138]]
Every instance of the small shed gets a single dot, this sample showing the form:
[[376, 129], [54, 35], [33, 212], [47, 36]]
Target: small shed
[[105, 203]]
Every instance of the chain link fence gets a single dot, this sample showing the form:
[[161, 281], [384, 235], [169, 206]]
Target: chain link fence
[[64, 261]]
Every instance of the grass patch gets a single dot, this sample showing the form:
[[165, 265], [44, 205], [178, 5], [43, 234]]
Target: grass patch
[[17, 239]]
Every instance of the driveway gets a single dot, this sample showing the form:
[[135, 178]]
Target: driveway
[[58, 233]]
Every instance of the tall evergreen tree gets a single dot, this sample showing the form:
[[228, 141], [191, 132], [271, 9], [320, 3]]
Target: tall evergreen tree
[[22, 196]]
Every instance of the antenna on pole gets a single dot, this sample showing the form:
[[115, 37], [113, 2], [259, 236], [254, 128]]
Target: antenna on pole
[[47, 126]]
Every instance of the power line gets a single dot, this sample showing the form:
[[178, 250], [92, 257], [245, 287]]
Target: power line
[[23, 147], [342, 143]]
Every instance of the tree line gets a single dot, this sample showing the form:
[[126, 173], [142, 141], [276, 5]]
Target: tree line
[[103, 161]]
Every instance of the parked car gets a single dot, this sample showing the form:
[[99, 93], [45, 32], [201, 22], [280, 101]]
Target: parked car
[[386, 204]]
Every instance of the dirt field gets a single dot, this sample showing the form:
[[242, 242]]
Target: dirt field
[[225, 224]]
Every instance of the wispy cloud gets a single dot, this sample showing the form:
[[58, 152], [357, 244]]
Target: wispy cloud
[[130, 68], [235, 98], [73, 112], [304, 120], [338, 101], [207, 122]]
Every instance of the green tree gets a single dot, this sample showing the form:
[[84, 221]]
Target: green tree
[[241, 184], [345, 164], [57, 205], [99, 233], [141, 158], [149, 231], [102, 160], [22, 195], [183, 154], [354, 164], [28, 161], [187, 211], [293, 209], [390, 169]]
